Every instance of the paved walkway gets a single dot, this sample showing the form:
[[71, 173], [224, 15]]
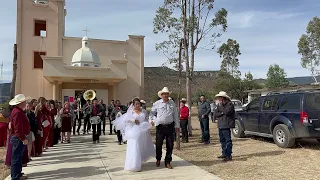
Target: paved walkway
[[83, 160]]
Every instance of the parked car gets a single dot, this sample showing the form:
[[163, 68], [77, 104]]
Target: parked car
[[284, 117], [237, 104]]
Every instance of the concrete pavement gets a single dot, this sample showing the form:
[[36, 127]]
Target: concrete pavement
[[83, 160]]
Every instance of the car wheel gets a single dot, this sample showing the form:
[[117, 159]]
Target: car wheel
[[238, 131], [282, 136]]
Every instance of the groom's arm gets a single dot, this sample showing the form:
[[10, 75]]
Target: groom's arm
[[153, 113]]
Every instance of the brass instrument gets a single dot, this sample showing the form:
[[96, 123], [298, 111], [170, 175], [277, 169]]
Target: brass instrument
[[89, 95]]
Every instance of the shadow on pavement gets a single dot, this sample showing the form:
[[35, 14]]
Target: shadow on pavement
[[62, 173]]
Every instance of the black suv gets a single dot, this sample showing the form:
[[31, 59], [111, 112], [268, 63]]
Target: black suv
[[284, 117]]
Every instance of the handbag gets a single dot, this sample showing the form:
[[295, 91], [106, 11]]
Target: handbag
[[45, 123], [95, 120]]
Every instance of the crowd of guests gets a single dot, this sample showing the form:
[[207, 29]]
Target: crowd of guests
[[30, 126]]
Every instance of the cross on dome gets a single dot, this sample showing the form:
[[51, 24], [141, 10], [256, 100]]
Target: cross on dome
[[86, 30]]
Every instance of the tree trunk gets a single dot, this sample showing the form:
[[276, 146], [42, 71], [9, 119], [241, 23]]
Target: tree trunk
[[179, 94], [186, 52], [14, 72], [191, 67]]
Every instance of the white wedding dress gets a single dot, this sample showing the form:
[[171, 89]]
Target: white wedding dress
[[139, 141]]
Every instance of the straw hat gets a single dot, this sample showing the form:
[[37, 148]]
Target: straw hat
[[223, 94], [20, 98], [164, 90]]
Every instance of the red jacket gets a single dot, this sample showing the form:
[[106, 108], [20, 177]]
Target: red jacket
[[20, 126], [184, 113]]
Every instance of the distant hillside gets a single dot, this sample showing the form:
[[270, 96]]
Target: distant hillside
[[157, 77], [297, 80], [4, 92]]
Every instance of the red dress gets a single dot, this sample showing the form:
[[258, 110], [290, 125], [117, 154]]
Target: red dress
[[66, 121], [42, 115], [53, 112]]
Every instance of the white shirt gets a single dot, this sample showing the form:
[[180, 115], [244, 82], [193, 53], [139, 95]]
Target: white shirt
[[164, 113]]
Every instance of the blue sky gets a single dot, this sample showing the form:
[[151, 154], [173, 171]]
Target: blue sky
[[267, 30]]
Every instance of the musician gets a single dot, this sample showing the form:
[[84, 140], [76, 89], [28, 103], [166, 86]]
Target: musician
[[122, 109], [103, 116], [86, 114], [77, 118], [96, 110], [110, 108]]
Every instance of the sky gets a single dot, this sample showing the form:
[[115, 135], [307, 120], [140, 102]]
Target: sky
[[267, 30]]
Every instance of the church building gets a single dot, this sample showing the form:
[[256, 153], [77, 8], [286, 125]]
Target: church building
[[57, 67]]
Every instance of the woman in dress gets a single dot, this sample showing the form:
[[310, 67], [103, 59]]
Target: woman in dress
[[42, 115], [53, 113], [3, 130], [66, 122], [57, 124], [135, 127], [33, 128]]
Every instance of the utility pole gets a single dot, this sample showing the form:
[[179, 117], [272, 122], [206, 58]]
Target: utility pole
[[14, 72], [179, 94]]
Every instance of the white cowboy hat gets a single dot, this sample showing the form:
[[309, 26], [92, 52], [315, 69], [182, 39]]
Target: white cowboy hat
[[223, 94], [142, 101], [164, 90], [20, 98], [184, 99]]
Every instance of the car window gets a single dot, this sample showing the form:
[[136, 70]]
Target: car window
[[291, 101], [270, 103], [313, 101], [254, 105]]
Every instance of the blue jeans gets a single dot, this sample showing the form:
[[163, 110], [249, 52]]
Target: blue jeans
[[16, 157], [204, 124], [226, 142]]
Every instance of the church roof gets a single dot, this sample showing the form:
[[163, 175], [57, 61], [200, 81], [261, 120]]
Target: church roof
[[85, 54]]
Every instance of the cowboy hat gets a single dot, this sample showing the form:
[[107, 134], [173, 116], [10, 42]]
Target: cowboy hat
[[164, 90], [142, 101], [20, 98], [222, 94]]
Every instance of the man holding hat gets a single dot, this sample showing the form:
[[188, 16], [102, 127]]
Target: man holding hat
[[226, 120], [20, 129], [164, 115]]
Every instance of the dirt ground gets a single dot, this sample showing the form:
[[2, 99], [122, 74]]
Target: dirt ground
[[4, 171], [253, 158]]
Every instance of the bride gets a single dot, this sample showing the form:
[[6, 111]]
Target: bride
[[134, 127]]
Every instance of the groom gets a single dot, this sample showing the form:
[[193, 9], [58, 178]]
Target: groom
[[164, 115]]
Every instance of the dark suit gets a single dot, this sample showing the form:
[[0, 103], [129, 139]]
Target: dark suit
[[86, 116], [96, 128], [113, 114], [110, 108], [103, 117]]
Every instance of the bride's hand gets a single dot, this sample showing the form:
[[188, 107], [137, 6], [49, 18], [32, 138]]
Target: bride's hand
[[137, 121]]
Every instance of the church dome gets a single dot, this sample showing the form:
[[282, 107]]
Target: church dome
[[85, 56]]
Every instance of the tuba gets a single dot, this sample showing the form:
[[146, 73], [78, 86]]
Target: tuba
[[89, 95]]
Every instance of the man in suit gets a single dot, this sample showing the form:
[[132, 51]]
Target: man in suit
[[86, 115], [110, 108], [96, 110], [118, 108], [103, 115]]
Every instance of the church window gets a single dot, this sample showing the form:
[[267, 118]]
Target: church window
[[37, 60], [40, 28]]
